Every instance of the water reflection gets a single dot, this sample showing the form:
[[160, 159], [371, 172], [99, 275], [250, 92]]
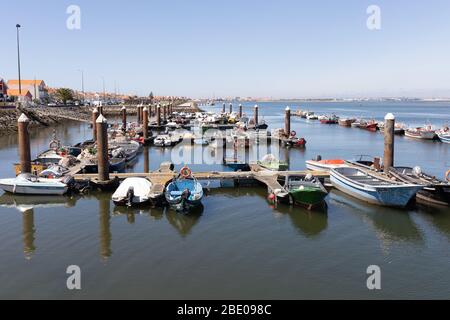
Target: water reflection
[[28, 231], [104, 225], [184, 223], [390, 224], [308, 223], [439, 217]]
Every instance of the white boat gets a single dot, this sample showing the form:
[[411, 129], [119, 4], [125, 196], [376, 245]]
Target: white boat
[[312, 116], [373, 188], [444, 134], [133, 191], [26, 183], [324, 165], [425, 133], [54, 171]]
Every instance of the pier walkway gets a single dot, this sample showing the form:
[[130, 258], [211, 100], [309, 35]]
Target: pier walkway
[[161, 177]]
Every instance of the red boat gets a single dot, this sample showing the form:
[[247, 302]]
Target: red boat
[[329, 120], [371, 125]]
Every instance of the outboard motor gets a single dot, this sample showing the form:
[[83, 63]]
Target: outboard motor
[[417, 171], [319, 158], [130, 195]]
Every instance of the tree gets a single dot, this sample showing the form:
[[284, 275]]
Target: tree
[[64, 94]]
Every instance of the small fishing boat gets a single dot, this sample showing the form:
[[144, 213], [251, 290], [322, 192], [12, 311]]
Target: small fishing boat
[[444, 134], [399, 128], [236, 164], [270, 162], [370, 125], [201, 141], [423, 133], [346, 122], [90, 165], [133, 191], [368, 186], [329, 120], [306, 191], [184, 192], [26, 183], [434, 191], [324, 165], [54, 171], [356, 124], [312, 116], [162, 141]]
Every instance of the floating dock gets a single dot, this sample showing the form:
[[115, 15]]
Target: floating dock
[[161, 177]]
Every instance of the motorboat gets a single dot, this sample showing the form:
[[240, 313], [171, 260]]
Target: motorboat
[[306, 190], [270, 162], [133, 191], [423, 133], [184, 192], [26, 183]]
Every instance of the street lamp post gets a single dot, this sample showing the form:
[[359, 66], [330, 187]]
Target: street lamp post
[[82, 85], [18, 58], [104, 92]]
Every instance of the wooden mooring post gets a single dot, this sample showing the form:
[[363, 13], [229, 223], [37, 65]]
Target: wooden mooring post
[[231, 108], [124, 118], [102, 148], [287, 121], [223, 108], [158, 115], [256, 114], [95, 114], [24, 144], [145, 122], [139, 114], [240, 111], [389, 126]]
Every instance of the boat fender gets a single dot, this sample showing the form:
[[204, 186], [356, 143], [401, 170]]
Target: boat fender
[[447, 175], [271, 197], [185, 172]]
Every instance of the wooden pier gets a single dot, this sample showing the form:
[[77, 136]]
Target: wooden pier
[[161, 177]]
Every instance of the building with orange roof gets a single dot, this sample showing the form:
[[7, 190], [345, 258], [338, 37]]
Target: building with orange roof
[[37, 88], [23, 95]]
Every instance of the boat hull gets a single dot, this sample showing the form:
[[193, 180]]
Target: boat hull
[[35, 190], [310, 197], [444, 138], [392, 196]]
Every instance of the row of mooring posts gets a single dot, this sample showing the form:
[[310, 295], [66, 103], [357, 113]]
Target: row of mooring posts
[[100, 131]]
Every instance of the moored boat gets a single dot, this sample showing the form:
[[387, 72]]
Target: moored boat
[[346, 122], [444, 134], [306, 191], [270, 162], [435, 191], [376, 189], [184, 192], [133, 191], [26, 183], [423, 133], [324, 165]]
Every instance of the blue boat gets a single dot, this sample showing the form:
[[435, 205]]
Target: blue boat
[[236, 165], [373, 188], [184, 192]]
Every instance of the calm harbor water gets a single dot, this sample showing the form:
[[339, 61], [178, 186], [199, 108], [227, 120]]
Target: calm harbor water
[[237, 245]]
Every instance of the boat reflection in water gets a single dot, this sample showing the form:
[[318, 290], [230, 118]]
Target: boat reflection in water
[[390, 224], [26, 205], [308, 223]]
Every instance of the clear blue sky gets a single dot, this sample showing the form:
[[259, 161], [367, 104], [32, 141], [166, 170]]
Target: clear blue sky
[[241, 48]]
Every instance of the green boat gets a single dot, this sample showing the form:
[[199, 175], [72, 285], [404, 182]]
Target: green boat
[[271, 163], [306, 191]]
